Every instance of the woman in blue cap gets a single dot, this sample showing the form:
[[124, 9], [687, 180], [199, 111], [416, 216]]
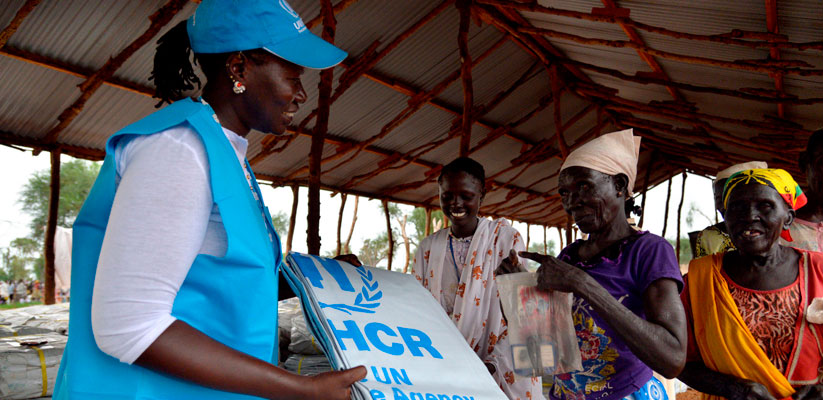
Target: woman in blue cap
[[175, 260]]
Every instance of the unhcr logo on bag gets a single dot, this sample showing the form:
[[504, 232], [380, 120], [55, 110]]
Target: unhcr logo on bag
[[368, 297]]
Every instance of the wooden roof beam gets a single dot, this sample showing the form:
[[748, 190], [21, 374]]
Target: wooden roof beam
[[690, 116], [18, 19], [415, 104], [789, 67], [755, 40], [340, 6], [10, 139], [611, 7], [354, 70], [159, 19], [74, 70], [390, 163], [754, 94], [774, 53]]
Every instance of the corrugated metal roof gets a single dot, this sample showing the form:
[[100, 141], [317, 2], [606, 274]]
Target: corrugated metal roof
[[86, 33]]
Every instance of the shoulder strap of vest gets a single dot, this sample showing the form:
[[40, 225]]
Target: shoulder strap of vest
[[165, 118]]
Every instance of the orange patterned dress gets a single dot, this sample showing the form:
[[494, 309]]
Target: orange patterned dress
[[771, 316]]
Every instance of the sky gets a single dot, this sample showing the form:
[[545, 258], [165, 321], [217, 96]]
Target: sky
[[17, 166]]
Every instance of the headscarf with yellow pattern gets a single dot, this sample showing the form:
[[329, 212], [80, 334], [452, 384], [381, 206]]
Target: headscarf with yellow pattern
[[774, 178]]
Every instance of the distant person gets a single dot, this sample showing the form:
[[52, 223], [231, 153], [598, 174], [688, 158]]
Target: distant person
[[626, 311], [715, 239], [807, 229], [457, 265], [752, 331], [4, 292]]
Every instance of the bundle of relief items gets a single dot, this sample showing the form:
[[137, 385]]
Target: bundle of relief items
[[387, 322]]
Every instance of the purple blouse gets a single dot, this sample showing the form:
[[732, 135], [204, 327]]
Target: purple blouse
[[625, 269]]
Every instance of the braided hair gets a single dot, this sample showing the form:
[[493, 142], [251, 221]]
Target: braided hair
[[173, 73]]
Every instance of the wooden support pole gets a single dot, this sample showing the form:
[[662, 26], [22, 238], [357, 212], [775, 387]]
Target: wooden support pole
[[320, 129], [51, 227], [545, 241], [679, 213], [340, 223], [295, 191], [528, 235], [21, 15], [560, 235], [666, 212], [347, 248], [428, 227], [389, 232], [649, 167], [464, 7]]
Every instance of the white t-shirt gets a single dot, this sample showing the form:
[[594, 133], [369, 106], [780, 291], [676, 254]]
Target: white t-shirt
[[162, 217]]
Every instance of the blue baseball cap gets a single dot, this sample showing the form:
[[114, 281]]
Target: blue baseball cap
[[226, 26]]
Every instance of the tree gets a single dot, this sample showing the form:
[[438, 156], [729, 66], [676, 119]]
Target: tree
[[685, 249], [76, 179], [374, 250], [536, 247], [280, 220]]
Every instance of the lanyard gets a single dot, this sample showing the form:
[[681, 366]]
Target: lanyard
[[454, 262]]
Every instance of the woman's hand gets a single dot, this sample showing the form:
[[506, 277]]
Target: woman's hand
[[749, 390], [510, 265], [349, 258], [335, 385], [809, 392], [554, 274]]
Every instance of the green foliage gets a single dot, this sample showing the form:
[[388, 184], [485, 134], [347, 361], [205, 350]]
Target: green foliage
[[537, 247], [14, 266], [76, 179], [280, 220], [685, 249], [374, 250], [25, 255]]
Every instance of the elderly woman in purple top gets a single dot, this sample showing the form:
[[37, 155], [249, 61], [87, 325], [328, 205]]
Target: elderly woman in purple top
[[625, 283]]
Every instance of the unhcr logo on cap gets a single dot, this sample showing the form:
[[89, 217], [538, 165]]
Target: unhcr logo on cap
[[288, 9], [298, 25]]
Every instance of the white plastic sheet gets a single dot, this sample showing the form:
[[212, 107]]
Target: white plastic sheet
[[28, 365], [34, 320], [390, 324]]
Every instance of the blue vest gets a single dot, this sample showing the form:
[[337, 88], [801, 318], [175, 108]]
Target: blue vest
[[232, 299]]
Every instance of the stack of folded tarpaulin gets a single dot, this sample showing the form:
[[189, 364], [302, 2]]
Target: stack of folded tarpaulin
[[303, 354], [387, 322], [32, 340]]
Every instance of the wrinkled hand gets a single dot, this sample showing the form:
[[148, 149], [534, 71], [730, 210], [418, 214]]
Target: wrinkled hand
[[809, 392], [510, 265], [554, 274], [750, 390], [335, 385], [349, 258]]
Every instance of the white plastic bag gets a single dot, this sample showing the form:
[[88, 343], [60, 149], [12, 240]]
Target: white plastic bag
[[541, 330]]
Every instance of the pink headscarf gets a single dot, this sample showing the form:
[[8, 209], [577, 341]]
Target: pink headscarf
[[613, 153]]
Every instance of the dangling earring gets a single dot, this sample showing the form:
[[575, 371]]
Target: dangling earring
[[237, 86]]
